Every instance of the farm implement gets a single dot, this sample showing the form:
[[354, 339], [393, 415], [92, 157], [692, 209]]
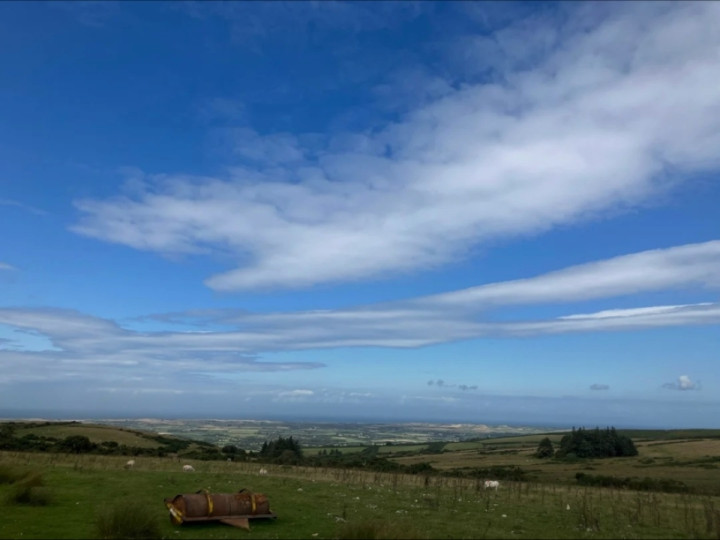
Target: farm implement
[[234, 509]]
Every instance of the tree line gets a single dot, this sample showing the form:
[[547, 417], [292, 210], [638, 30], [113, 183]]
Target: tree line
[[586, 443]]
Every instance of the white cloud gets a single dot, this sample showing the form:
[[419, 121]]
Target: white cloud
[[645, 318], [676, 267], [563, 138], [67, 343], [632, 312], [683, 383], [294, 395], [6, 266]]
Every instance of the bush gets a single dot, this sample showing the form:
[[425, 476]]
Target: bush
[[127, 518], [545, 449], [9, 475], [421, 468], [76, 444], [29, 490], [666, 485], [496, 472]]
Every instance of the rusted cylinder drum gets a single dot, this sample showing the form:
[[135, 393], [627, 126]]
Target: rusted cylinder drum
[[204, 506]]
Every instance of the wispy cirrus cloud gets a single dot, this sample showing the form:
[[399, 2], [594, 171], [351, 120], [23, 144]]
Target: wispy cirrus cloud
[[691, 265], [6, 266], [78, 341], [563, 137], [27, 208]]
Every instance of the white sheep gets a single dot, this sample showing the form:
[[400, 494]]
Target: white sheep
[[130, 464], [262, 471], [188, 468], [491, 484]]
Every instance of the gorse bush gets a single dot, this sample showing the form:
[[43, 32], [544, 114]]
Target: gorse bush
[[127, 518]]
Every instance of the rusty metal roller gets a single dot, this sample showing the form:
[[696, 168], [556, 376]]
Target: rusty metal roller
[[234, 509]]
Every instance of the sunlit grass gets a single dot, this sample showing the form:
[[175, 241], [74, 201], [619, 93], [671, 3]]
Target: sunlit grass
[[334, 503]]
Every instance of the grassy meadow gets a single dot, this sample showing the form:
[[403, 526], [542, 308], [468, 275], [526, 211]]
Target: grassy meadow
[[70, 496]]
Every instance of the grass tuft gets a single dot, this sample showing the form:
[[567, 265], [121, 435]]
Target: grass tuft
[[10, 475], [128, 518], [376, 529], [30, 490]]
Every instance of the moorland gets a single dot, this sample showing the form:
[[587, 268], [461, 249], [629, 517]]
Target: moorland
[[398, 487]]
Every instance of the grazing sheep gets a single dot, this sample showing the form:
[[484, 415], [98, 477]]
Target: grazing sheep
[[262, 471], [491, 484], [130, 464], [188, 468]]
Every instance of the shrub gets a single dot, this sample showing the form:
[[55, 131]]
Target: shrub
[[29, 490], [76, 444], [545, 449], [497, 472], [420, 468], [666, 485], [9, 475], [127, 518]]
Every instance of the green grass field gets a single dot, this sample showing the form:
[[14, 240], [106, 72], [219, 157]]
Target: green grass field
[[72, 492], [327, 503]]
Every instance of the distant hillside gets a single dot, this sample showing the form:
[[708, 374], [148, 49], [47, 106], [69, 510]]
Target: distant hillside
[[78, 437]]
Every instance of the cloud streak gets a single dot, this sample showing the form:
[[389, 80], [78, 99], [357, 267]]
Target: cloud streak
[[691, 265], [547, 141], [16, 204], [78, 341]]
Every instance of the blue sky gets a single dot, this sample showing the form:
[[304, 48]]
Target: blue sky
[[465, 212]]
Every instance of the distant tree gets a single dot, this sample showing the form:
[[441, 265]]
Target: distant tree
[[76, 444], [435, 447], [545, 449], [282, 450], [596, 444]]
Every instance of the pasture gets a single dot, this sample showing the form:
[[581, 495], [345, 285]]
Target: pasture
[[341, 503], [693, 461]]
